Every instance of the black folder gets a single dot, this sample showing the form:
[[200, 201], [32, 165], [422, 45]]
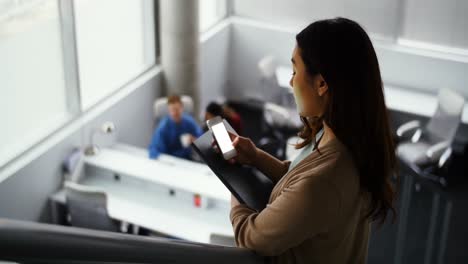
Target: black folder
[[251, 189]]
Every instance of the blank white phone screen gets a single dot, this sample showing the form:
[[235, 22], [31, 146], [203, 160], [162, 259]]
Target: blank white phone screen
[[222, 137]]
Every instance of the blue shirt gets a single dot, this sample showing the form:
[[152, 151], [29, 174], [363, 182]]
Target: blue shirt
[[166, 137]]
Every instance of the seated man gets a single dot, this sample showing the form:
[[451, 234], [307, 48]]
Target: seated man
[[175, 132]]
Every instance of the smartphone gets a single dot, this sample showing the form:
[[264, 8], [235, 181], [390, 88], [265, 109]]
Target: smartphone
[[221, 135]]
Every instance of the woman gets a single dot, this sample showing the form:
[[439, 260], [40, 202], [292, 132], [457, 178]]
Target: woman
[[324, 201]]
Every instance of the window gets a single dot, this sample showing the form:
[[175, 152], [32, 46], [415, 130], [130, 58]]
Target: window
[[32, 89], [115, 43], [44, 78], [211, 12]]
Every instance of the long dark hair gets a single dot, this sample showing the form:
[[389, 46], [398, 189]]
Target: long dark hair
[[340, 50]]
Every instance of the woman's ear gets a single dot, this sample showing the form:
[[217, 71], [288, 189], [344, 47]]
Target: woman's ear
[[322, 85]]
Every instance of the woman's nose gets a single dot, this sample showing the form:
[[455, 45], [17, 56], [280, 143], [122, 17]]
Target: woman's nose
[[291, 81]]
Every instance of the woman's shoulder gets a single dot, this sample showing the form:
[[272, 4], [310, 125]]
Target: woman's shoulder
[[332, 163]]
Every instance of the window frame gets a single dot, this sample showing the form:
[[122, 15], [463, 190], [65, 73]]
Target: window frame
[[75, 113]]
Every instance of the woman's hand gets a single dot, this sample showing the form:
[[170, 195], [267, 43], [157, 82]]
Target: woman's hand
[[246, 150], [234, 201]]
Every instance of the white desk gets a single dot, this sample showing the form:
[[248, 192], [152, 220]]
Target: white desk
[[140, 197], [398, 99], [168, 159], [159, 212], [169, 171]]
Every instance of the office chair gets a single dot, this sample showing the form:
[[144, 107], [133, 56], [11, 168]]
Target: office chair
[[87, 208], [279, 128], [269, 84], [160, 107], [430, 147]]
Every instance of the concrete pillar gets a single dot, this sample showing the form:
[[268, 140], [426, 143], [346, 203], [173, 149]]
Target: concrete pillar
[[179, 48]]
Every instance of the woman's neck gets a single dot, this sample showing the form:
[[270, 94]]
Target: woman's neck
[[328, 135]]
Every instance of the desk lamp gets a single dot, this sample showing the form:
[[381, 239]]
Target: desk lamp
[[106, 128]]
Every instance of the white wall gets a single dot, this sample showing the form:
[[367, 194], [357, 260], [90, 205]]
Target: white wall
[[404, 67], [437, 21], [250, 42], [440, 22], [420, 44], [379, 17], [214, 63], [422, 70]]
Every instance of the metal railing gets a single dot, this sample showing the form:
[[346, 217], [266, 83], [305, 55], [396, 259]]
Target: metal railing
[[29, 242]]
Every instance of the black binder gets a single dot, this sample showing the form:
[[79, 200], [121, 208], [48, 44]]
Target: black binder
[[251, 189]]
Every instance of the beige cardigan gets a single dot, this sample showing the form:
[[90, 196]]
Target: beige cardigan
[[316, 213]]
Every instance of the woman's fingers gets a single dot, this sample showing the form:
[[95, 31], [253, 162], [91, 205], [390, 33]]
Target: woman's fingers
[[235, 142], [232, 135], [242, 146]]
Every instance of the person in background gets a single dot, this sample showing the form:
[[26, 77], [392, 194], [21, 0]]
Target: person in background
[[175, 132], [212, 110], [233, 118]]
